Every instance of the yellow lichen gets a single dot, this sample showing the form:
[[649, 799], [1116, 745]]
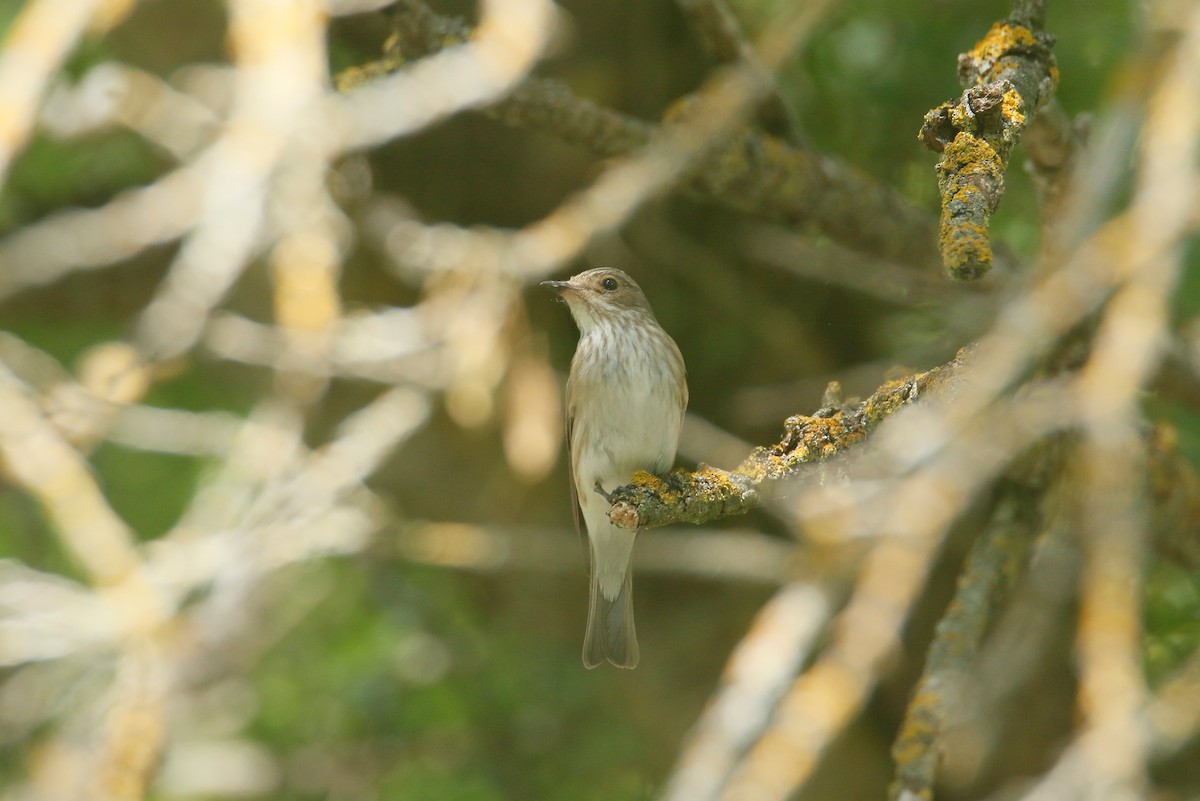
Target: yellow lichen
[[970, 154], [919, 730], [1013, 108], [966, 247], [890, 397], [963, 238], [1002, 39], [649, 482]]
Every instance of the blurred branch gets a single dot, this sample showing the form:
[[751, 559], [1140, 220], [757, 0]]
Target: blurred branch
[[135, 729], [467, 72], [990, 570], [1127, 349], [827, 262], [1173, 714], [1052, 146], [746, 171], [113, 93], [280, 45], [674, 148], [756, 675], [718, 555], [1023, 633], [38, 40], [35, 456], [721, 34], [83, 239], [1008, 76]]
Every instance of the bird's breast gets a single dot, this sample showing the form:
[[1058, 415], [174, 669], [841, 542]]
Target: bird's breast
[[627, 400]]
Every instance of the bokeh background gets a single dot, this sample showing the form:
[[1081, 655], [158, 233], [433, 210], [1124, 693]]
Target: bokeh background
[[431, 652]]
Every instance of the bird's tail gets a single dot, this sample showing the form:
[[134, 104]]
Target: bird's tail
[[610, 631]]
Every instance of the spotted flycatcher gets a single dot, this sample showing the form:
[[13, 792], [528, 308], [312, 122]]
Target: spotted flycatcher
[[625, 401]]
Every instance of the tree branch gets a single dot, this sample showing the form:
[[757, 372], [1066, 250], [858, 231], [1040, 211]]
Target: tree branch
[[1008, 76], [748, 171], [991, 569], [709, 493], [721, 34]]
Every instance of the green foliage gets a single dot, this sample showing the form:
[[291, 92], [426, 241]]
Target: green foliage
[[1172, 619], [51, 174], [398, 671]]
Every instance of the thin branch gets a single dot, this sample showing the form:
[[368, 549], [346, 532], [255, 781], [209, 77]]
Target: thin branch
[[739, 555], [721, 34], [1127, 349], [37, 43], [990, 570], [756, 675], [710, 493], [1053, 143]]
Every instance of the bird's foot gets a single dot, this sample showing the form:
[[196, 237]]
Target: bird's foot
[[608, 496]]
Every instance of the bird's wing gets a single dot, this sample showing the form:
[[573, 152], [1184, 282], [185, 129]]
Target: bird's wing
[[576, 509]]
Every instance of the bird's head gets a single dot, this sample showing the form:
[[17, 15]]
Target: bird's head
[[602, 295]]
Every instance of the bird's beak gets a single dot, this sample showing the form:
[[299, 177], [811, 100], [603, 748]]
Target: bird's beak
[[561, 287]]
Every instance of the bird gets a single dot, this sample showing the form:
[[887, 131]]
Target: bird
[[625, 399]]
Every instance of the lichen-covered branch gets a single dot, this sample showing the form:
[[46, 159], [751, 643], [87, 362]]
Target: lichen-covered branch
[[748, 171], [990, 570], [709, 493], [770, 179], [1008, 76]]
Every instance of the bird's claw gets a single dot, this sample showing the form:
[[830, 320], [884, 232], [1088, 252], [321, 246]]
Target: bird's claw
[[608, 496]]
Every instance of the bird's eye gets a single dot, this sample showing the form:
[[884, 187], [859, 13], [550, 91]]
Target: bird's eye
[[609, 284]]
